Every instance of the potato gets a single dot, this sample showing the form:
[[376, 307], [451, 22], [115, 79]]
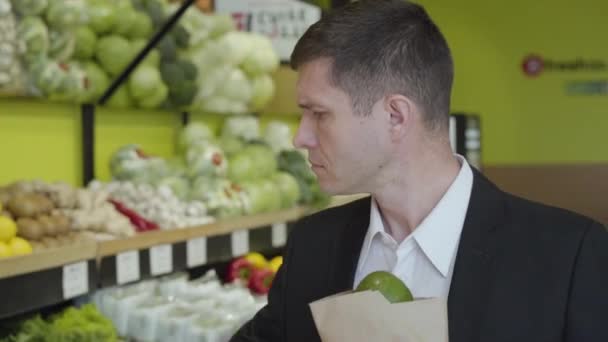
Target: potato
[[29, 229], [22, 206], [62, 223], [48, 225], [50, 242], [45, 205]]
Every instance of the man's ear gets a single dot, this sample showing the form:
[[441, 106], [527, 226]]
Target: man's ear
[[400, 110]]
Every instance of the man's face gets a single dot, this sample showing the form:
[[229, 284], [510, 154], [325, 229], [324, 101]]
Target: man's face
[[346, 150]]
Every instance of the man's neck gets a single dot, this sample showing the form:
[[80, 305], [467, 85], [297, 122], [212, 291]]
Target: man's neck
[[411, 195]]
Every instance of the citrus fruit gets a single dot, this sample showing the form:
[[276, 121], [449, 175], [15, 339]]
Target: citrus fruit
[[391, 287], [20, 246], [8, 228], [275, 263], [5, 250]]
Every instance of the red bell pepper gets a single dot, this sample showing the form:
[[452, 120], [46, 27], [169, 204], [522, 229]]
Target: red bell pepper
[[261, 281], [140, 223], [239, 270]]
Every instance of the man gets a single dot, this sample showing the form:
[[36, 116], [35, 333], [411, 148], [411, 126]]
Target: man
[[374, 85]]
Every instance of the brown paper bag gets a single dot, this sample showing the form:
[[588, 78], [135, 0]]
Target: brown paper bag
[[368, 316]]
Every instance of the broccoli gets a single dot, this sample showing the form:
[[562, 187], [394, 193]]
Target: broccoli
[[168, 49], [172, 74], [190, 70], [181, 36], [183, 94]]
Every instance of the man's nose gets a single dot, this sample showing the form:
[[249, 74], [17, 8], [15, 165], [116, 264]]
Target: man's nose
[[305, 136]]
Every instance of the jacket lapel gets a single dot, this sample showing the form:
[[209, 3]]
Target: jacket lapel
[[346, 248], [473, 271]]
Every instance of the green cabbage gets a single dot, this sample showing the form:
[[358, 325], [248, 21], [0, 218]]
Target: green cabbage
[[153, 57], [66, 14], [62, 45], [263, 91], [155, 99], [263, 59], [206, 159], [98, 81], [125, 19], [193, 133], [30, 7], [236, 87], [86, 41], [142, 26], [144, 81], [288, 188], [243, 127], [34, 34], [102, 16], [114, 53], [121, 98], [236, 46]]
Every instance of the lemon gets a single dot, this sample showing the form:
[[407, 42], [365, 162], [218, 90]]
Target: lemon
[[8, 228], [276, 263], [5, 250], [20, 246]]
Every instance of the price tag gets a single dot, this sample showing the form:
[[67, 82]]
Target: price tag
[[240, 242], [161, 259], [279, 234], [75, 279], [127, 267], [196, 251]]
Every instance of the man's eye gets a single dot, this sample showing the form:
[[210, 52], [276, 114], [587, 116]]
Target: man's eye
[[318, 114]]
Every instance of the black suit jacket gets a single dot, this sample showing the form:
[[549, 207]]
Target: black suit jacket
[[523, 272]]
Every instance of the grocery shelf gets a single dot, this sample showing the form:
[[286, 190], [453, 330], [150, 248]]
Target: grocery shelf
[[53, 276], [47, 259], [47, 278]]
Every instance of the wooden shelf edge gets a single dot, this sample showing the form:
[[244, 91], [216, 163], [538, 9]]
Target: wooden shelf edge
[[225, 226], [39, 261]]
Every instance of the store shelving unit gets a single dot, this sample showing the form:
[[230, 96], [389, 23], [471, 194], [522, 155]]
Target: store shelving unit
[[54, 276]]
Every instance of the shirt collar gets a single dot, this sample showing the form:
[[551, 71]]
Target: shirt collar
[[438, 235]]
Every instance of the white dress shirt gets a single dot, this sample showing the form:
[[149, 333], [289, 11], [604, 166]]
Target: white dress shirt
[[424, 261]]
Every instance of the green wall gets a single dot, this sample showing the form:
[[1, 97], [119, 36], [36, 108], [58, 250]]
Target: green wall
[[528, 120]]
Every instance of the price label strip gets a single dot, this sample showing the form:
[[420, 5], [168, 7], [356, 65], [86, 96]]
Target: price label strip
[[127, 267], [161, 259], [196, 251], [240, 242], [279, 234], [75, 279]]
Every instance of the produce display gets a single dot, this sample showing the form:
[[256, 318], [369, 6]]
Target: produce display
[[236, 173], [254, 271], [71, 51], [38, 216], [173, 308], [12, 80], [72, 324]]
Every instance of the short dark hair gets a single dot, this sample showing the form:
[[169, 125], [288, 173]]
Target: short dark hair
[[382, 46]]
